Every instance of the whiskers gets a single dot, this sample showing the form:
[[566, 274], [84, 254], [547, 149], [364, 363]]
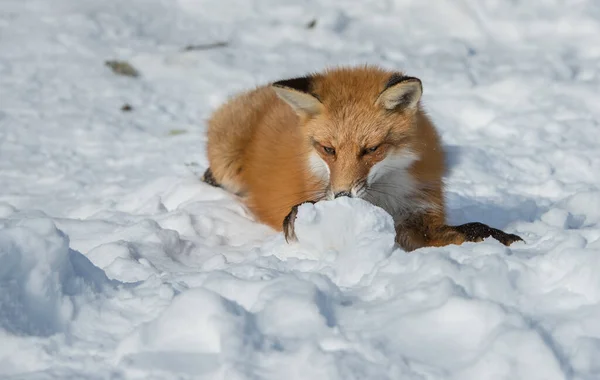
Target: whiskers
[[360, 189], [402, 195], [395, 192]]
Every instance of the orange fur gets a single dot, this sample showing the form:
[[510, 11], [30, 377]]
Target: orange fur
[[273, 146]]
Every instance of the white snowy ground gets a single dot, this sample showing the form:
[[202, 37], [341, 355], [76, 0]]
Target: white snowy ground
[[116, 262]]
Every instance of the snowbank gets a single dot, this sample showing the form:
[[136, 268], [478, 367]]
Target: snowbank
[[346, 237], [39, 278]]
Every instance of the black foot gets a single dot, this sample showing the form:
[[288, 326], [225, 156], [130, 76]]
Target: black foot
[[478, 231], [210, 179], [288, 223]]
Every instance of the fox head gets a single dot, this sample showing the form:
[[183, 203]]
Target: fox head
[[358, 124]]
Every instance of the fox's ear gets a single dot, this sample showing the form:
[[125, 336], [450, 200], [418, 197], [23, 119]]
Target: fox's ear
[[401, 93], [297, 93]]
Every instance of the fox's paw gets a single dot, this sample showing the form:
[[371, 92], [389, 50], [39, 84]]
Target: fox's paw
[[476, 232], [288, 223]]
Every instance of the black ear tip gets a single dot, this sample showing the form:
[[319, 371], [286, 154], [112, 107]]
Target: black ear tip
[[302, 84], [417, 81], [400, 78]]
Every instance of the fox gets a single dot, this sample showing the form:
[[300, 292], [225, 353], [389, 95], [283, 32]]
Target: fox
[[346, 131]]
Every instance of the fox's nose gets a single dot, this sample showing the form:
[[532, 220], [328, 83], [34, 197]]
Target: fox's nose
[[343, 194]]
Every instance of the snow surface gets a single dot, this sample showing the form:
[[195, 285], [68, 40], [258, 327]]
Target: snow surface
[[117, 263]]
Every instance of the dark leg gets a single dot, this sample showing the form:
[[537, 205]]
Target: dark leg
[[428, 231], [288, 223], [210, 179]]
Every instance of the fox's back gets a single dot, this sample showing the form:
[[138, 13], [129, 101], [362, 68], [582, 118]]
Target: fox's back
[[256, 150]]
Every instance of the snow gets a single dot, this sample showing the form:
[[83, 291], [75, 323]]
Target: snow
[[116, 262]]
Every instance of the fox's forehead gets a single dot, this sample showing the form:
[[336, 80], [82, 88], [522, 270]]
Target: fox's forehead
[[351, 85], [350, 131]]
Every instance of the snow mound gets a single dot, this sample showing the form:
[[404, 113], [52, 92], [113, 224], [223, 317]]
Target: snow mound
[[350, 234], [39, 276], [188, 335], [344, 225]]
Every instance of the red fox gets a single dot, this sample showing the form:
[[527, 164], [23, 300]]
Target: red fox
[[347, 131]]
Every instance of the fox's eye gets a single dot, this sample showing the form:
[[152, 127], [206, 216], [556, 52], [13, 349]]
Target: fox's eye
[[329, 150], [372, 149]]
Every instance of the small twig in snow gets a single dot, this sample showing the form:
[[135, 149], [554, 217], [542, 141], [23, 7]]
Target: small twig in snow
[[213, 45]]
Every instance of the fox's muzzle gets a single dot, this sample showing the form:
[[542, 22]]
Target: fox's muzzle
[[343, 194]]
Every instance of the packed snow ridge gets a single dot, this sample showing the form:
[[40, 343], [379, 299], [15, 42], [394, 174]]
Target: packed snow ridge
[[116, 262]]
